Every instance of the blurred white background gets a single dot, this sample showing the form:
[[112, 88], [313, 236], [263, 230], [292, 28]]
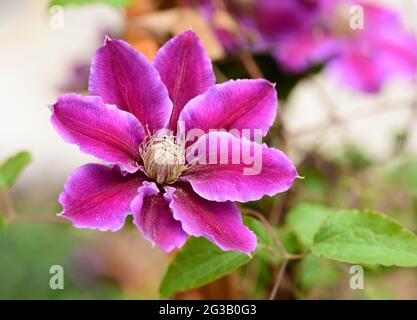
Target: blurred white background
[[35, 60]]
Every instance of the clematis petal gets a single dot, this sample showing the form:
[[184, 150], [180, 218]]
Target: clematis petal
[[124, 77], [219, 222], [278, 20], [357, 69], [379, 19], [101, 130], [297, 54], [228, 168], [154, 219], [240, 104], [98, 197], [397, 54], [185, 69]]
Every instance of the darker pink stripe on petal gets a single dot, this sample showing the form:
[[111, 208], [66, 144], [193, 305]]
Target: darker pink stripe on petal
[[124, 77], [185, 69], [154, 218], [98, 197], [219, 222], [103, 131], [235, 169], [236, 104]]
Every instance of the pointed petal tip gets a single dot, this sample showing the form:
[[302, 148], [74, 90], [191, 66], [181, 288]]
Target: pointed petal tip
[[142, 92], [113, 135], [171, 248], [189, 35], [107, 39], [167, 248], [189, 32], [51, 106], [62, 98], [265, 82]]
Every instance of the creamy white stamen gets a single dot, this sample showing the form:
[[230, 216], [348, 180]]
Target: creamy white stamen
[[163, 158]]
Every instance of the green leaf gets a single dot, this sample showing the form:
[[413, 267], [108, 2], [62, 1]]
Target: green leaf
[[305, 219], [314, 271], [262, 235], [114, 3], [365, 237], [12, 167], [289, 240], [2, 225], [200, 261]]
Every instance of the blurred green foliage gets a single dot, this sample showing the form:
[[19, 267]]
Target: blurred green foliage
[[305, 219], [313, 272], [353, 158], [403, 173], [11, 168], [2, 226], [115, 3], [27, 253]]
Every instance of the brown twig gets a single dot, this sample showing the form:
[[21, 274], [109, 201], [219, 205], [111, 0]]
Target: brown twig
[[9, 211], [39, 218], [278, 280], [278, 208], [284, 254], [269, 228], [250, 65], [11, 215], [410, 125], [244, 56]]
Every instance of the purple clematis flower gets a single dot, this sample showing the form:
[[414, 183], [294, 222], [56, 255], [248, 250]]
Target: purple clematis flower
[[131, 101], [302, 33]]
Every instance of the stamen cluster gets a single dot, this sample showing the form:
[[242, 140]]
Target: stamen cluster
[[163, 158]]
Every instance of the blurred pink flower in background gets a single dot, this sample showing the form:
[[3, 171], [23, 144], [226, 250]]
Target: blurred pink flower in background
[[304, 33]]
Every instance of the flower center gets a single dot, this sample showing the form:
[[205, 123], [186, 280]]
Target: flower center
[[163, 158]]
